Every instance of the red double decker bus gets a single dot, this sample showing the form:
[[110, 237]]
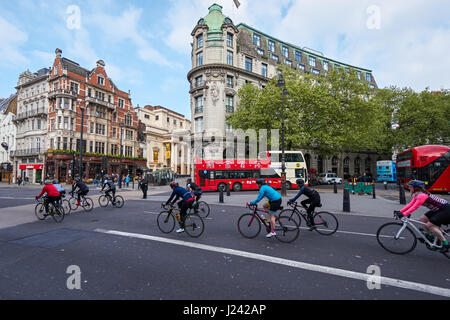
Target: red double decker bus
[[429, 163], [240, 175]]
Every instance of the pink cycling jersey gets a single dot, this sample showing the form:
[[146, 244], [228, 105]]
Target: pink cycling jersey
[[430, 201]]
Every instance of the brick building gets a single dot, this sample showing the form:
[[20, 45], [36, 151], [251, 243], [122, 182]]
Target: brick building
[[110, 125]]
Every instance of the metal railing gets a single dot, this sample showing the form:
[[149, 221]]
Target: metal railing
[[26, 152], [30, 113], [101, 102], [62, 92]]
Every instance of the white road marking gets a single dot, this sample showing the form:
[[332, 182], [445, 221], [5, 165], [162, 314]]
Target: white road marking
[[291, 263], [16, 198]]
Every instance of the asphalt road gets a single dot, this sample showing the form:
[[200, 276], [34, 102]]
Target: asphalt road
[[122, 255]]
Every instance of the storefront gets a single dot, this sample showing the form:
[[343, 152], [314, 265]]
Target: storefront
[[32, 172], [6, 170]]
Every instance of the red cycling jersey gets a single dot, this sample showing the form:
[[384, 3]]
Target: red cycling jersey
[[50, 190]]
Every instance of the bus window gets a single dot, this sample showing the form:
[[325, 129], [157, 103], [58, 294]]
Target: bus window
[[269, 173], [255, 174], [203, 174], [293, 157], [300, 173]]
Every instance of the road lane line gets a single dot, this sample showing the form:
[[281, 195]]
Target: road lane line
[[291, 263]]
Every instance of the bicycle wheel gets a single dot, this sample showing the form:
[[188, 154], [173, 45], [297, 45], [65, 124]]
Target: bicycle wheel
[[56, 212], [88, 204], [193, 225], [249, 225], [286, 229], [66, 206], [39, 211], [103, 200], [203, 209], [73, 203], [166, 222], [119, 202], [396, 238], [291, 214], [326, 223]]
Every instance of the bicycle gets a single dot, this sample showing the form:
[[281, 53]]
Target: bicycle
[[65, 204], [201, 208], [249, 225], [193, 224], [56, 212], [86, 203], [117, 201], [401, 237], [325, 222]]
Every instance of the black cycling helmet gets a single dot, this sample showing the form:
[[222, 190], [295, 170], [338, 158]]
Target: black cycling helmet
[[260, 181], [188, 181], [174, 184], [417, 183], [300, 182], [77, 179]]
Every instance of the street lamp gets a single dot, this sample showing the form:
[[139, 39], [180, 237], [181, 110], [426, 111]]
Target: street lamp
[[81, 139], [120, 167], [281, 84]]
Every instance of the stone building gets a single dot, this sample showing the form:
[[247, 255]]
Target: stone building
[[31, 124], [109, 123], [8, 108], [226, 56], [163, 130]]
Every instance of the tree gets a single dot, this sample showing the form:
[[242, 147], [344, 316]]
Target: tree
[[329, 113]]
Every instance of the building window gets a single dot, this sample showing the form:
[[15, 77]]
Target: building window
[[120, 103], [257, 40], [260, 51], [359, 74], [301, 67], [248, 64], [288, 62], [146, 116], [114, 132], [325, 65], [199, 81], [229, 40], [271, 46], [199, 124], [275, 57], [155, 156], [298, 56], [74, 87], [229, 81], [229, 104], [100, 80], [368, 77], [114, 116], [200, 58], [285, 51], [200, 41], [315, 71], [230, 58], [312, 61], [264, 69], [156, 118], [168, 120], [199, 104]]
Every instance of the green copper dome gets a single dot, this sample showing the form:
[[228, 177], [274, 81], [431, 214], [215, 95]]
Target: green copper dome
[[214, 20]]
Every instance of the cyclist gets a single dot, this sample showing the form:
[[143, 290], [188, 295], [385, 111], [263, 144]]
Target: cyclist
[[273, 205], [111, 187], [194, 188], [186, 202], [81, 189], [438, 214], [59, 187], [313, 200], [53, 195]]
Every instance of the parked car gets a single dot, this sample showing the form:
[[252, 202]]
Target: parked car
[[329, 178]]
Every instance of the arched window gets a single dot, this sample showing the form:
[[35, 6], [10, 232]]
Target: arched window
[[357, 166], [368, 165]]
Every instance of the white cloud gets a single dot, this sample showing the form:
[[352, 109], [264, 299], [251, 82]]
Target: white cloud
[[12, 41]]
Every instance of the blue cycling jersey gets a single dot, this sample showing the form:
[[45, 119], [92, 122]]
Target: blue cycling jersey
[[267, 192], [180, 192]]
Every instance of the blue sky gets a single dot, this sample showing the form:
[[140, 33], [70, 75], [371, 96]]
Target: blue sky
[[146, 44]]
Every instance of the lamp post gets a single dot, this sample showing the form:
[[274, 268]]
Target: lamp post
[[121, 151], [81, 139], [281, 84]]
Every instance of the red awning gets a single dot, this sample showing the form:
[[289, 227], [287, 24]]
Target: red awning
[[31, 166]]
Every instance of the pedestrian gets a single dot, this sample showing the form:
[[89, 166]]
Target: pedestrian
[[144, 186], [127, 180], [19, 181]]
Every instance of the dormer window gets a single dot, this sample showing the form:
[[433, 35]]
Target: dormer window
[[100, 80]]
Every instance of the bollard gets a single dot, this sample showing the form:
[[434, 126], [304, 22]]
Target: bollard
[[385, 185], [402, 195], [335, 187], [346, 207], [228, 189], [220, 195], [373, 191]]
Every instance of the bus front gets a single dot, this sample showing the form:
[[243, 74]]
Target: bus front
[[295, 166]]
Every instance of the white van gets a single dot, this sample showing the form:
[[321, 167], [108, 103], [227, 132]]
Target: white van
[[329, 178]]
